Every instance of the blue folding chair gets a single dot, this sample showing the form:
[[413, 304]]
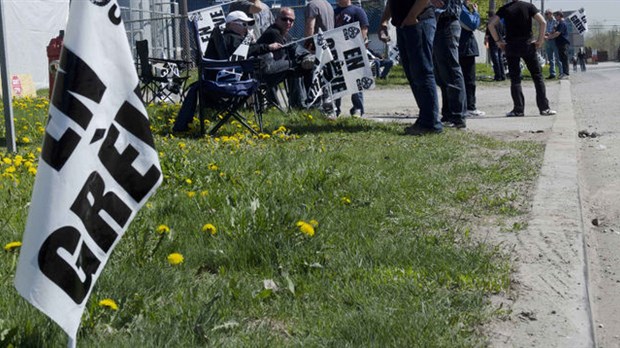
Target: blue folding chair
[[228, 85]]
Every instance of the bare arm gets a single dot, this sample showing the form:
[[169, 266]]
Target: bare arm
[[309, 27], [365, 33], [494, 34], [541, 29], [256, 7], [414, 12]]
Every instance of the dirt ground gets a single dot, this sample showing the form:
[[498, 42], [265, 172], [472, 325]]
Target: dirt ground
[[567, 264]]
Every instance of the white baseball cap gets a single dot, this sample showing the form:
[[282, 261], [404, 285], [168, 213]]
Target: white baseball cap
[[239, 16]]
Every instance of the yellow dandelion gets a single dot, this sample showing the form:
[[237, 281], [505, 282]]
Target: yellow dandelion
[[210, 228], [306, 229], [161, 229], [25, 140], [345, 200], [204, 193], [32, 170], [314, 223], [175, 259], [191, 194], [10, 170], [7, 160], [12, 246], [188, 181], [108, 303], [213, 167], [182, 146]]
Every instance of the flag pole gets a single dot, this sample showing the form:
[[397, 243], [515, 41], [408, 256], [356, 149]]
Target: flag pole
[[6, 89]]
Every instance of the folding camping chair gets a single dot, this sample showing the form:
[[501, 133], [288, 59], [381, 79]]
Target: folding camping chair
[[224, 86], [160, 78]]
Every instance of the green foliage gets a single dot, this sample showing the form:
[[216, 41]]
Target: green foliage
[[322, 233]]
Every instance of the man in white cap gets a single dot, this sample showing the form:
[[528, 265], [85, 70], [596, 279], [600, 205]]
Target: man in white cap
[[222, 46]]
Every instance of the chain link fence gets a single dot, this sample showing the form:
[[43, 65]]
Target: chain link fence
[[165, 28]]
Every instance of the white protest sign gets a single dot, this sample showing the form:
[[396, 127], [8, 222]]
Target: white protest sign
[[98, 166], [208, 19], [579, 20], [349, 71]]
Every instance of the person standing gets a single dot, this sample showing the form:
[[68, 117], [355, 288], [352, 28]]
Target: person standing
[[581, 58], [519, 44], [448, 71], [550, 47], [468, 51], [561, 41], [497, 56], [415, 30], [347, 13], [319, 15]]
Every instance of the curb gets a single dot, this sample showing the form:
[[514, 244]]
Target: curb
[[553, 271]]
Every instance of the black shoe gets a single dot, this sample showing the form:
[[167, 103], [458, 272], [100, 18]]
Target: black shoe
[[458, 125], [550, 77], [417, 130], [515, 114]]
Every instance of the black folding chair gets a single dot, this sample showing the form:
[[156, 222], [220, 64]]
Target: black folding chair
[[160, 79]]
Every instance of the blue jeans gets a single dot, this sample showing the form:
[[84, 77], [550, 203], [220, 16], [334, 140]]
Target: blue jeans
[[415, 44], [358, 103], [497, 60], [551, 50], [448, 70]]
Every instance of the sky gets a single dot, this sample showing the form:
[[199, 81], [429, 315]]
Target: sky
[[605, 12]]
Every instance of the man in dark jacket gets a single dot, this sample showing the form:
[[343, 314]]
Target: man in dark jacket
[[468, 51]]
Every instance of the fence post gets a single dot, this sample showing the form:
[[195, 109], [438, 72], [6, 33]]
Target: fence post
[[186, 55]]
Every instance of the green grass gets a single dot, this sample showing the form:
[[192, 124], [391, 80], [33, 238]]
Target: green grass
[[394, 260]]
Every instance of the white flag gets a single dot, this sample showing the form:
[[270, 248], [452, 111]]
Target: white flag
[[343, 63], [208, 19], [98, 166], [579, 20], [323, 56]]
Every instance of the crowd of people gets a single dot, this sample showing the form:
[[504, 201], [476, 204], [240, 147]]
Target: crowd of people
[[436, 44]]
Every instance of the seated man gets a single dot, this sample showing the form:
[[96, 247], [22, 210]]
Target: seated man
[[279, 33], [222, 46]]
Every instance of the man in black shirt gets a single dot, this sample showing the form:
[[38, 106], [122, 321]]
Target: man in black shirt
[[519, 43], [294, 57]]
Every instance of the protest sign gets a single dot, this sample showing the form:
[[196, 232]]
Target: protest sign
[[579, 20], [98, 166], [208, 19]]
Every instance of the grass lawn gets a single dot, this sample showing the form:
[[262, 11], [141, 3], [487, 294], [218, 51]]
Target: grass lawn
[[315, 233]]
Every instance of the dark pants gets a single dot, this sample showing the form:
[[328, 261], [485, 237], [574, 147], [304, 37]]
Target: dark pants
[[527, 51], [563, 52], [448, 70], [415, 44], [468, 66], [497, 60]]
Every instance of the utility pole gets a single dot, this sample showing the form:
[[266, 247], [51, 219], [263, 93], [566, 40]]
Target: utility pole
[[6, 89]]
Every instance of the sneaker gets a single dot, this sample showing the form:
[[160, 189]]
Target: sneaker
[[474, 113], [563, 77], [356, 113], [515, 114], [550, 77], [548, 112], [416, 130]]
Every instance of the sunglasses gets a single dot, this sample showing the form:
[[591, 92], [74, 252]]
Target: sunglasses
[[243, 24], [287, 19]]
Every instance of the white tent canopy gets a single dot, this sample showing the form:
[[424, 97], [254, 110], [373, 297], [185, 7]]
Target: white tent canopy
[[30, 25]]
